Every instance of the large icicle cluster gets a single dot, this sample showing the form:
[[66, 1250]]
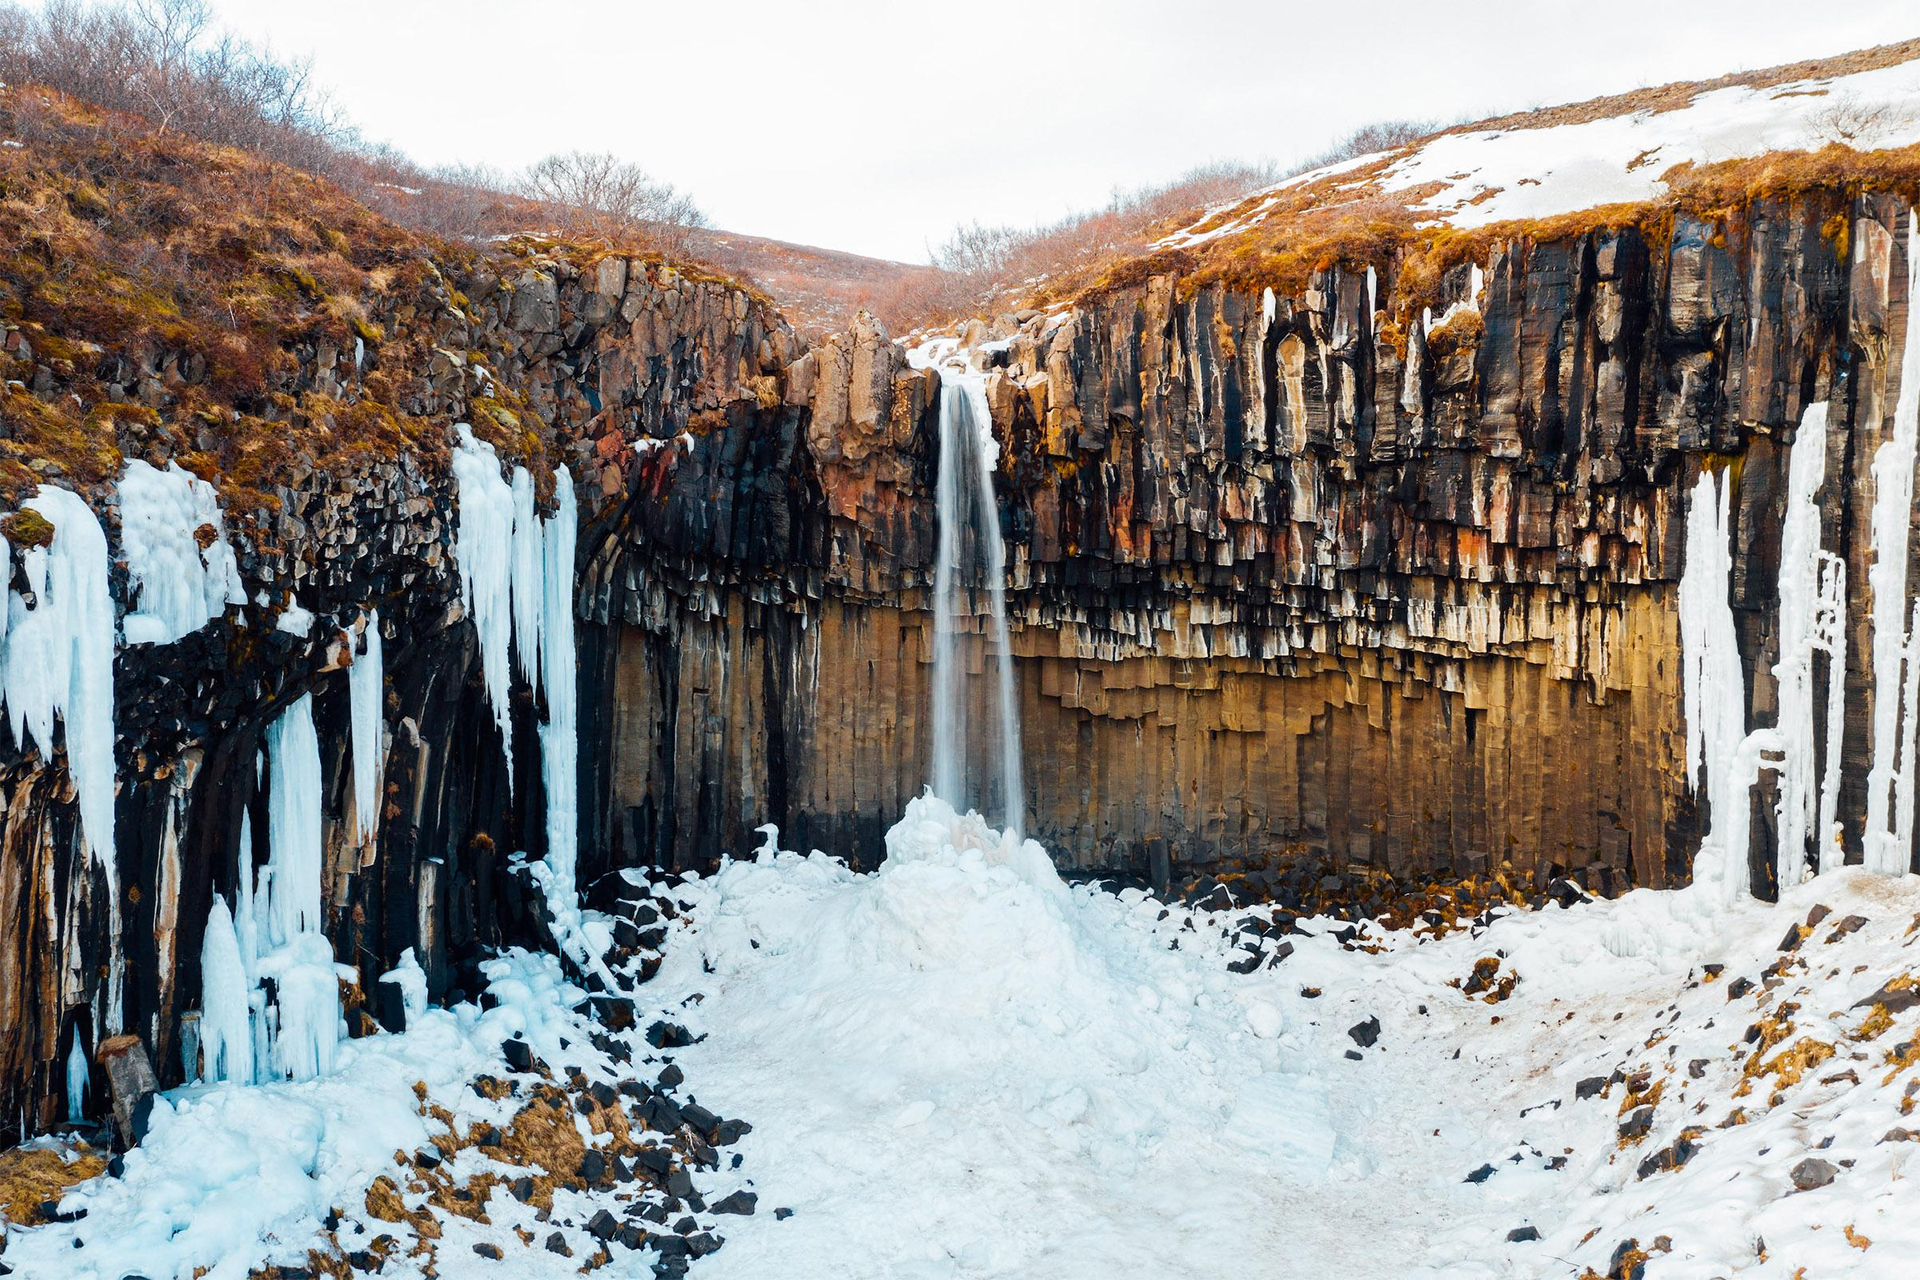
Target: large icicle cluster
[[516, 579], [175, 584], [277, 934], [1888, 840]]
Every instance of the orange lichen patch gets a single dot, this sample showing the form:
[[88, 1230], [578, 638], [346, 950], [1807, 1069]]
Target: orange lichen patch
[[1641, 1094], [1855, 1239], [1876, 1024], [31, 1176], [1900, 1057], [1786, 1067]]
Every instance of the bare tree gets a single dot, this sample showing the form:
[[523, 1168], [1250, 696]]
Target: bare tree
[[597, 194]]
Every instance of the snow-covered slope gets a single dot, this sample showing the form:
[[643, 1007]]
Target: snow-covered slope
[[1476, 177]]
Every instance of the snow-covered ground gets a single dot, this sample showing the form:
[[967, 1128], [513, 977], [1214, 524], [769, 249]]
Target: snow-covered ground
[[1484, 176], [962, 1066]]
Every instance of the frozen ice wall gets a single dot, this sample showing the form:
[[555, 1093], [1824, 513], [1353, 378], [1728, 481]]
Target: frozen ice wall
[[174, 584]]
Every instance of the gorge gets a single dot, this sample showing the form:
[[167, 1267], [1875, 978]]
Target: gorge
[[441, 684]]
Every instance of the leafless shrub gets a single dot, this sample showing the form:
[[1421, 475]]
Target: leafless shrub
[[1857, 123], [1382, 135], [597, 194]]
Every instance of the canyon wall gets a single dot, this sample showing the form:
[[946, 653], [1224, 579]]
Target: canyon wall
[[1292, 575], [1311, 574]]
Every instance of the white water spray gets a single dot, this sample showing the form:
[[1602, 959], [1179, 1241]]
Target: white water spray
[[963, 495]]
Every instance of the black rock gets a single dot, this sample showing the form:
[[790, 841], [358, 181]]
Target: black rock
[[672, 1077], [660, 1113], [630, 1236], [702, 1244], [1355, 1054], [488, 1251], [1737, 988], [1637, 1124], [593, 1166], [1520, 1235], [654, 1160], [1619, 1267], [686, 1226], [1812, 1173], [557, 1243], [518, 1054], [729, 1131], [654, 1213], [1247, 963], [668, 1035], [615, 1013], [1365, 1034], [741, 1202], [699, 1117], [1481, 1174], [1589, 1088], [604, 1094], [781, 1215], [602, 1225]]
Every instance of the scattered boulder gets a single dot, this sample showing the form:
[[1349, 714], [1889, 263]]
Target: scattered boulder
[[1812, 1173], [1365, 1034]]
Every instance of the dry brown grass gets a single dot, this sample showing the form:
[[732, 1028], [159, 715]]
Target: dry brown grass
[[29, 1177]]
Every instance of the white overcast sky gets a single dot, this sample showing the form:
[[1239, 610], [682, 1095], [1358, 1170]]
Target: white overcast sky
[[875, 127]]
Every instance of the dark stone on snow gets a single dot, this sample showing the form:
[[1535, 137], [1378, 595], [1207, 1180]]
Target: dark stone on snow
[[668, 1035], [660, 1113], [615, 1013], [1588, 1088], [781, 1215], [630, 1236], [1481, 1174], [1623, 1266], [602, 1225], [1365, 1034], [593, 1166], [672, 1077], [730, 1131], [699, 1117], [680, 1183], [1247, 963], [557, 1243], [671, 1246], [1737, 988], [741, 1202], [703, 1243], [654, 1213], [604, 1094], [522, 1189], [1793, 939], [1637, 1124], [686, 1226], [1697, 1068], [1896, 1001], [1355, 1054], [654, 1160], [488, 1251], [1820, 912], [1520, 1235], [1812, 1173]]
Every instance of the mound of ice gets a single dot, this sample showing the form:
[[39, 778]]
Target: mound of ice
[[175, 584], [968, 1066]]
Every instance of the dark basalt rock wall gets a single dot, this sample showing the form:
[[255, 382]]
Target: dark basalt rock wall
[[1291, 575]]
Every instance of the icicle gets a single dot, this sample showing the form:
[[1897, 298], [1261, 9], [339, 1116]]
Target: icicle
[[175, 585], [1713, 690], [1812, 620], [226, 1010], [526, 587], [293, 824], [1888, 838], [59, 662], [366, 692], [483, 548], [560, 735], [76, 1081], [307, 993]]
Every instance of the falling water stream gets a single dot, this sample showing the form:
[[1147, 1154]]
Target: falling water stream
[[963, 493]]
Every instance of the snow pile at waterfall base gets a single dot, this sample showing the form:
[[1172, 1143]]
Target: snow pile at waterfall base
[[962, 1066]]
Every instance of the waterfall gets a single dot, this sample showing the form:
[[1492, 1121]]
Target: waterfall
[[964, 502]]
